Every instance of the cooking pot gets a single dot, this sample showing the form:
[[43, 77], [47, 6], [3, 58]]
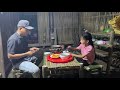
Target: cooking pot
[[56, 48]]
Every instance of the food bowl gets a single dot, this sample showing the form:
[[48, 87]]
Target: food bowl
[[64, 55]]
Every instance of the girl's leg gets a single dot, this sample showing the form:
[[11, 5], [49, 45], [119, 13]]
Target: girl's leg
[[85, 63], [79, 60]]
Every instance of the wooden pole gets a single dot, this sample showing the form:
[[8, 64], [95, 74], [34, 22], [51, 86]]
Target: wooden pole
[[1, 56]]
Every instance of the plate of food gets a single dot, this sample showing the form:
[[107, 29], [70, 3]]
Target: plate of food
[[55, 56]]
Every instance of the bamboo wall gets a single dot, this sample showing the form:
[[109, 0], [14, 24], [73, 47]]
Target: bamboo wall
[[94, 20]]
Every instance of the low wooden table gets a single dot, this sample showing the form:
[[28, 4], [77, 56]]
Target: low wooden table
[[49, 68]]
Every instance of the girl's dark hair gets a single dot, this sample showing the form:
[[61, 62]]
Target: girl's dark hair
[[88, 36]]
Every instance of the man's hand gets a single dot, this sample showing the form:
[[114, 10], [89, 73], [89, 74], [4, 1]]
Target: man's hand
[[30, 53], [21, 55], [34, 49]]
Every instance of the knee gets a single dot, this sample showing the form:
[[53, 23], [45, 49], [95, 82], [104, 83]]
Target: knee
[[35, 70]]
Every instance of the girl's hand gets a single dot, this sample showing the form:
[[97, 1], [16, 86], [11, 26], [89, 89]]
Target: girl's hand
[[72, 54], [75, 55], [69, 47]]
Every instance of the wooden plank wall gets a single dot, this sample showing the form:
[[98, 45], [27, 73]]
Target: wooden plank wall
[[8, 22], [43, 29], [93, 20], [67, 26], [32, 18]]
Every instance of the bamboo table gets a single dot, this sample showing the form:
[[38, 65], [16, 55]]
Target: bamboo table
[[49, 68]]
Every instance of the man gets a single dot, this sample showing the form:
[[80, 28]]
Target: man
[[19, 53]]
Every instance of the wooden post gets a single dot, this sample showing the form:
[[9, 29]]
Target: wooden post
[[112, 37], [44, 71], [110, 51], [109, 61], [1, 56], [56, 38]]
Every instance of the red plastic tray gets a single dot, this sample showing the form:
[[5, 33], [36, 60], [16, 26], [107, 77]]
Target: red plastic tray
[[59, 60]]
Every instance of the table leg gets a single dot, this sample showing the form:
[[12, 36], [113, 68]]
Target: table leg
[[81, 71], [44, 72]]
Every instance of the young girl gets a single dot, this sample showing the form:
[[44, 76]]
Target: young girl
[[86, 47]]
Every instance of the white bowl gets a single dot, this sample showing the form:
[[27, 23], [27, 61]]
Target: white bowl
[[46, 53], [64, 55]]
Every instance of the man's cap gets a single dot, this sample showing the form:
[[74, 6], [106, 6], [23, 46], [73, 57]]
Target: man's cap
[[25, 24]]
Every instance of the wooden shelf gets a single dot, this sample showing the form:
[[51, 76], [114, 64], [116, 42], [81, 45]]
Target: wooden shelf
[[105, 46], [104, 34], [33, 45], [101, 53], [117, 35], [116, 46], [101, 34]]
